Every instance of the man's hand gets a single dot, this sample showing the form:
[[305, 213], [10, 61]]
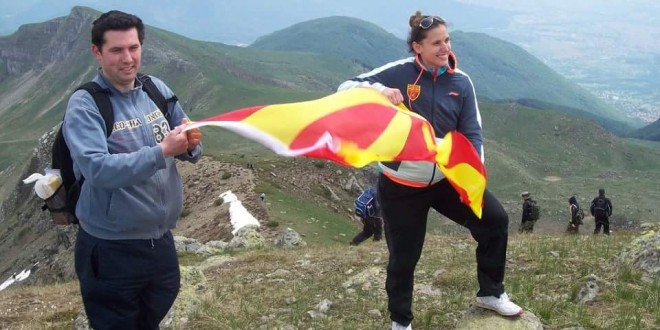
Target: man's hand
[[194, 136], [174, 143]]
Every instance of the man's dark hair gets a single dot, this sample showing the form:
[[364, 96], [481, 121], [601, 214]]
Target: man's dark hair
[[118, 21]]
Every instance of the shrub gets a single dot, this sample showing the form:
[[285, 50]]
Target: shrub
[[272, 224], [185, 212]]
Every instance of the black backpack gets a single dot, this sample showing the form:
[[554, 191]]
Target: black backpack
[[61, 156], [535, 213], [600, 207], [577, 213]]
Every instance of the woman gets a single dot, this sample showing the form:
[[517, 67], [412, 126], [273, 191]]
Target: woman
[[575, 215], [430, 84]]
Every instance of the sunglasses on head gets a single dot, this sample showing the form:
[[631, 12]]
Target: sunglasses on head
[[427, 21]]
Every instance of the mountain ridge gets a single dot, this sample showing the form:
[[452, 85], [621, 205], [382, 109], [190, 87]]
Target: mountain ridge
[[503, 71], [549, 153], [553, 154]]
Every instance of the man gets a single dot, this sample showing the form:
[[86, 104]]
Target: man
[[601, 209], [528, 221], [371, 226], [368, 210], [132, 195]]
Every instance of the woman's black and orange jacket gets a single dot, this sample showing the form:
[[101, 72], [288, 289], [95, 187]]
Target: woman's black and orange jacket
[[445, 97]]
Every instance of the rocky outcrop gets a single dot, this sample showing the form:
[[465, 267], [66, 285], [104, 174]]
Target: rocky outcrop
[[643, 253], [32, 237], [247, 238], [476, 318], [35, 46]]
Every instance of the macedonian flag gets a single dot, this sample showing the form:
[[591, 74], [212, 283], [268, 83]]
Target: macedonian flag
[[357, 127]]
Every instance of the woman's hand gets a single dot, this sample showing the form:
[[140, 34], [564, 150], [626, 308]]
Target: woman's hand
[[393, 94]]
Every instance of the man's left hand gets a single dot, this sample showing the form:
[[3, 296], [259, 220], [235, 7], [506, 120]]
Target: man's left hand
[[194, 136]]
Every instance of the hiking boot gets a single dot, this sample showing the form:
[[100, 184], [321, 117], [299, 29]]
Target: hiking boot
[[501, 305], [397, 326]]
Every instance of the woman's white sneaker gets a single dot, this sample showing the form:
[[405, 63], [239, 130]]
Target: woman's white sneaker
[[397, 326], [501, 305]]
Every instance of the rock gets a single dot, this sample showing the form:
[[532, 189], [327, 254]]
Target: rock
[[477, 318], [588, 292], [643, 253], [290, 238], [247, 238], [365, 278], [193, 283], [324, 306], [376, 314]]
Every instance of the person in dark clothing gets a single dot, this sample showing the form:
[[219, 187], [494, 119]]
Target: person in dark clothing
[[575, 216], [527, 223], [371, 225], [430, 84], [601, 209]]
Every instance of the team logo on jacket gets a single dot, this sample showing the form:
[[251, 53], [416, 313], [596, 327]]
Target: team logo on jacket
[[413, 91]]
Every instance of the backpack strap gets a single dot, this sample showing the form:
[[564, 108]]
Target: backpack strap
[[61, 153], [156, 95], [102, 98]]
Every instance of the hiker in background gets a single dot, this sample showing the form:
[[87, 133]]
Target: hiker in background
[[125, 257], [530, 213], [372, 221], [575, 216], [429, 84], [601, 209], [262, 196]]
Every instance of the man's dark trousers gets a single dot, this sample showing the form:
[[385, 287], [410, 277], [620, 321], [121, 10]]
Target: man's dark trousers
[[127, 284], [602, 222]]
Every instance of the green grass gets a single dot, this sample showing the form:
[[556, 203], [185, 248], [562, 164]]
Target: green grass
[[275, 288], [316, 225], [544, 274]]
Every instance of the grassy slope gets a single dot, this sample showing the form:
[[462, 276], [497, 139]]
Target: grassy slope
[[528, 149], [275, 288]]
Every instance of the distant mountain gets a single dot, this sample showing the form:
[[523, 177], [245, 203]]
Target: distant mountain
[[650, 132], [346, 37], [546, 152], [499, 70], [572, 42], [42, 63], [502, 70]]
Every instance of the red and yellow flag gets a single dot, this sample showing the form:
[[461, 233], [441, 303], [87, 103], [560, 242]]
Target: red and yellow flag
[[357, 127]]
